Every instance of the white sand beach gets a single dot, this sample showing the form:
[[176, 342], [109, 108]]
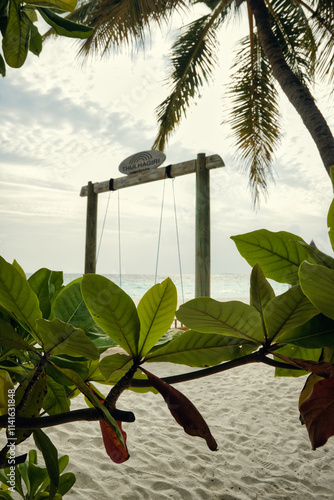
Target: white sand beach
[[264, 452]]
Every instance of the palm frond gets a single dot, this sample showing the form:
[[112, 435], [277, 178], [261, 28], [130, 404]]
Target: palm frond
[[291, 28], [321, 21], [254, 115], [194, 56], [122, 22]]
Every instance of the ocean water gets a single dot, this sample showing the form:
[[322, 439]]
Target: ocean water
[[223, 286]]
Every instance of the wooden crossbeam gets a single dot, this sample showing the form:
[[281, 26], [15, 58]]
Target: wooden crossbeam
[[186, 167]]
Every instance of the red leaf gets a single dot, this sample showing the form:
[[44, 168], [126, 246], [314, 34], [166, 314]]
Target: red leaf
[[317, 412], [112, 444], [183, 410], [320, 368]]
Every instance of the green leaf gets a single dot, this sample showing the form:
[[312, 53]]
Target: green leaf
[[4, 495], [234, 318], [316, 333], [65, 27], [278, 254], [296, 352], [113, 310], [29, 399], [66, 482], [39, 283], [330, 218], [80, 384], [56, 400], [19, 268], [317, 283], [2, 66], [50, 455], [261, 292], [17, 297], [156, 311], [317, 256], [10, 338], [37, 475], [200, 349], [287, 311], [115, 366], [70, 307], [15, 43], [36, 41], [6, 383], [80, 368], [67, 5], [62, 338]]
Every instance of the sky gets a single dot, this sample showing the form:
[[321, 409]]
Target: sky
[[64, 124]]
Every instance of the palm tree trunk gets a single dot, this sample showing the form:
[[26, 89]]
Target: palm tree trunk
[[294, 89]]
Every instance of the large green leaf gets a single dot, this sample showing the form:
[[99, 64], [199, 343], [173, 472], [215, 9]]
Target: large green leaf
[[67, 5], [70, 307], [156, 311], [330, 216], [278, 254], [17, 297], [10, 338], [113, 310], [113, 367], [316, 333], [63, 338], [287, 311], [43, 283], [234, 318], [80, 368], [201, 349], [56, 400], [2, 66], [65, 27], [80, 384], [317, 283], [15, 43], [29, 398], [261, 292], [317, 256], [50, 455], [296, 352]]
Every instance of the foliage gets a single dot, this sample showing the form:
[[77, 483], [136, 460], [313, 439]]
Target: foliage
[[20, 33], [52, 337], [33, 482]]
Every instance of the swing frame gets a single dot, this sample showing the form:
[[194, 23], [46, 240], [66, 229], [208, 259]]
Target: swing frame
[[201, 167]]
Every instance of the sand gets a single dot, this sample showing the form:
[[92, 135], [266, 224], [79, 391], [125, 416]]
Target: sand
[[264, 452]]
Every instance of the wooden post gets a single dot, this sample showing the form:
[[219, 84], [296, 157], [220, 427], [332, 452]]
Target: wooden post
[[202, 233], [91, 230]]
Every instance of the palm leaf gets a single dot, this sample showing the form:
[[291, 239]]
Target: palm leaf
[[295, 36], [321, 22], [194, 56], [254, 114], [123, 22]]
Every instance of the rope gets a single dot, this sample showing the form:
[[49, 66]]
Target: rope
[[159, 237], [178, 242], [104, 222], [177, 234], [119, 240]]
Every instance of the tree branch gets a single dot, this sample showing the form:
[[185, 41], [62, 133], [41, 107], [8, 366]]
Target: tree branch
[[89, 414], [255, 357]]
